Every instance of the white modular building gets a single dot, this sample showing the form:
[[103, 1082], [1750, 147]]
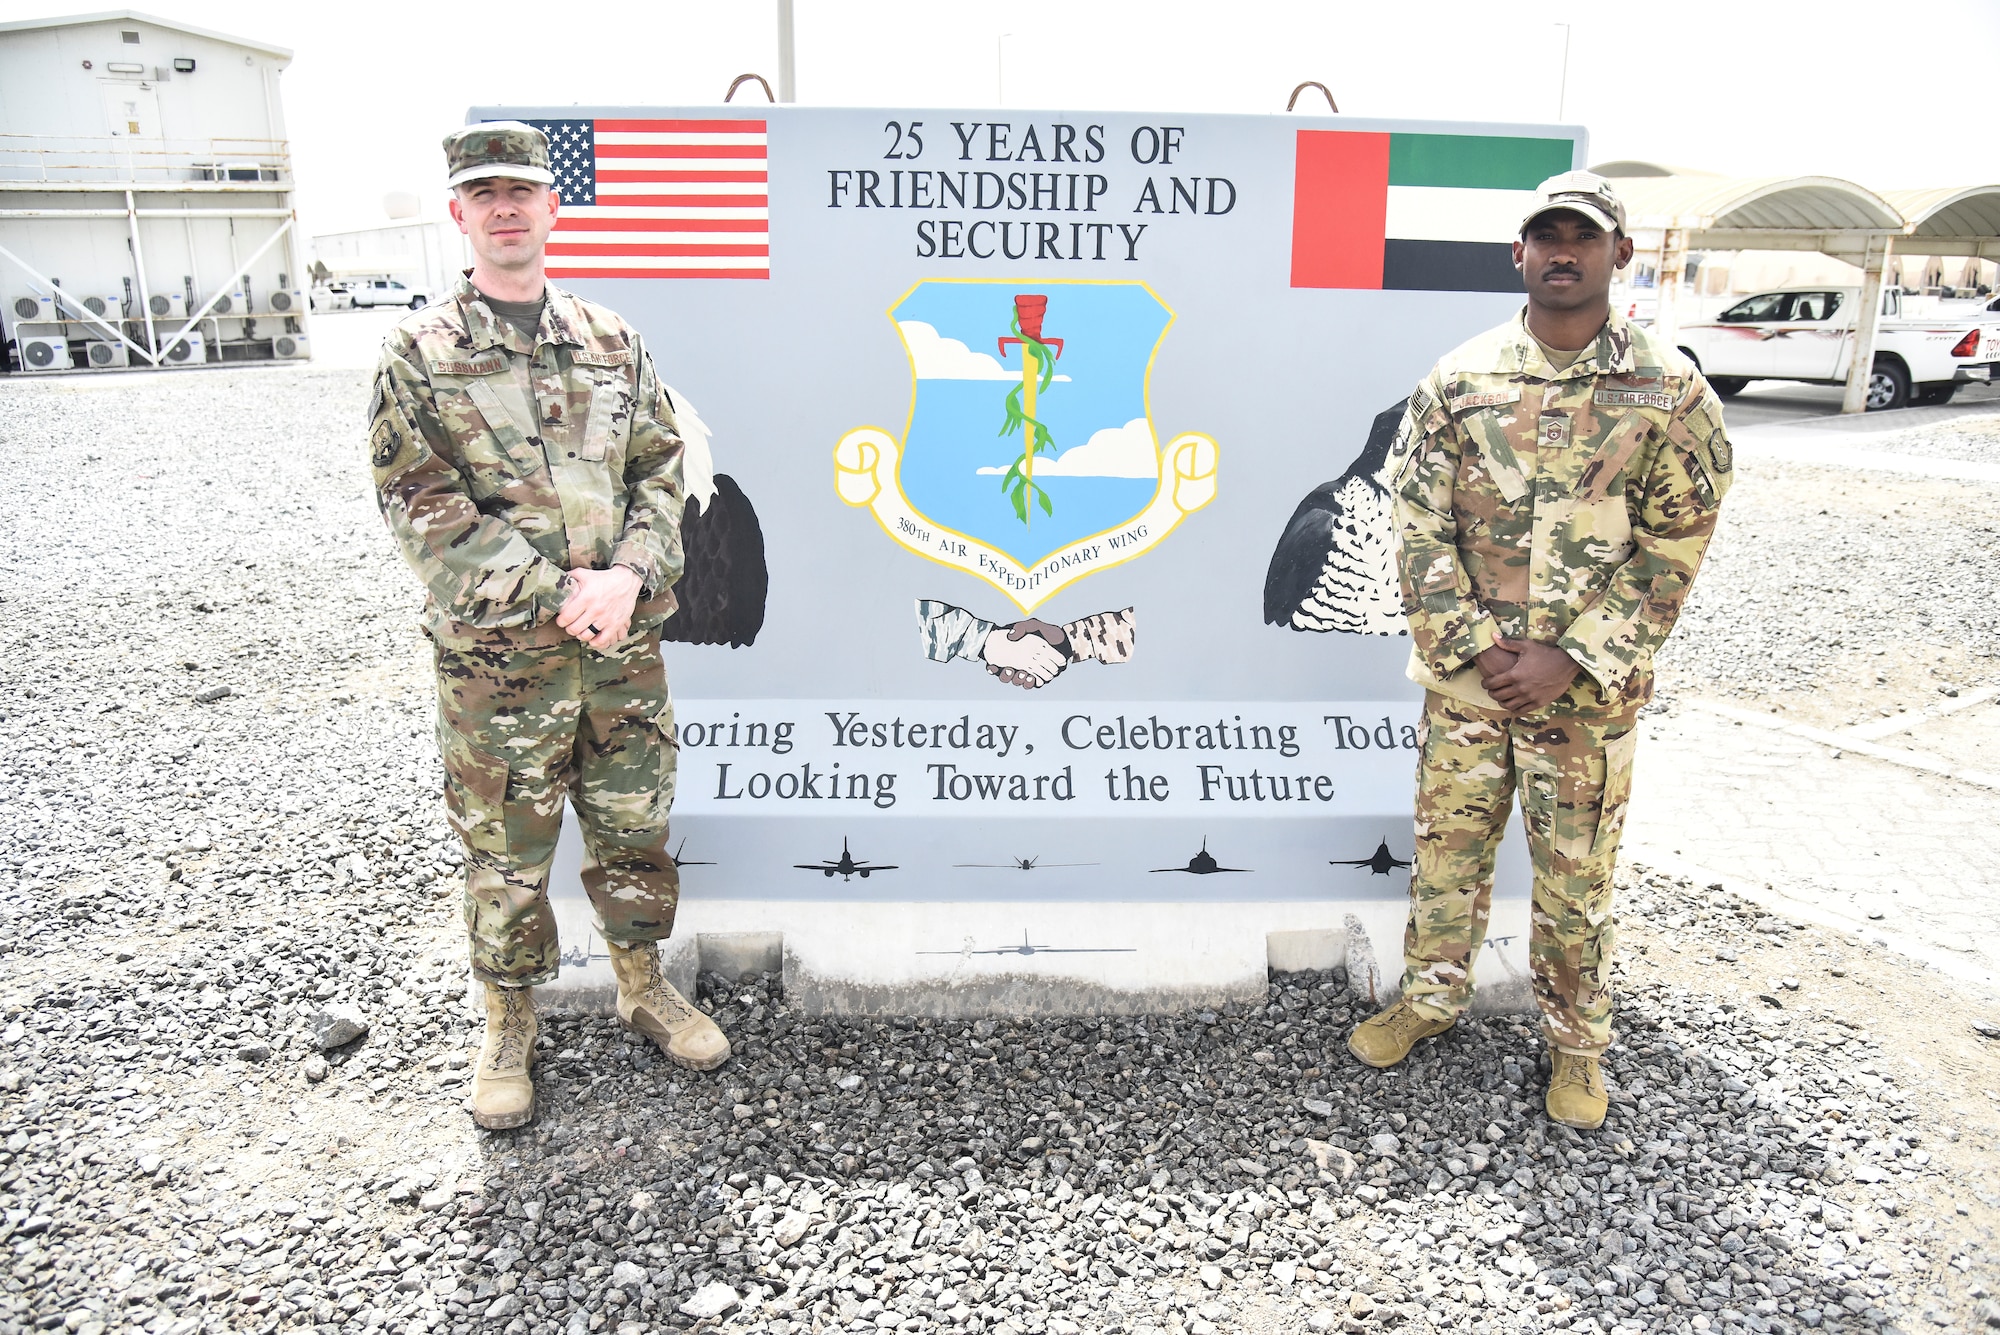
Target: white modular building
[[146, 213]]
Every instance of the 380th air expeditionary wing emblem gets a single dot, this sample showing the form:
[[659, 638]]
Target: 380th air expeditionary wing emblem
[[1030, 458]]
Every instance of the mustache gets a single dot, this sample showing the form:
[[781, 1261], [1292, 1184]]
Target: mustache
[[1555, 269]]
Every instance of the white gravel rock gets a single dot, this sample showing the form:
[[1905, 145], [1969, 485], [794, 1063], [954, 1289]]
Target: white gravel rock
[[711, 1301], [337, 1026], [791, 1228]]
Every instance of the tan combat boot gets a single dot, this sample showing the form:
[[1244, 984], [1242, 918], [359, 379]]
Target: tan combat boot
[[648, 1003], [1387, 1038], [1576, 1090], [502, 1094]]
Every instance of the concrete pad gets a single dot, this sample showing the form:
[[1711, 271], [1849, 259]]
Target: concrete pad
[[1313, 948]]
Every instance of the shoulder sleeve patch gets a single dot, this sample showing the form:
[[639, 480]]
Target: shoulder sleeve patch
[[385, 443], [1423, 416], [1421, 404], [1410, 428], [1701, 432], [1701, 423]]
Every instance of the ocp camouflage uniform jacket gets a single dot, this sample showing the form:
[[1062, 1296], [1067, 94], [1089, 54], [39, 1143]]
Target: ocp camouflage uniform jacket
[[1563, 507], [502, 462]]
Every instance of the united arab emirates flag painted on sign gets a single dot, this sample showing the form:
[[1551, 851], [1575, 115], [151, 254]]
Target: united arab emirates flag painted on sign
[[1415, 212]]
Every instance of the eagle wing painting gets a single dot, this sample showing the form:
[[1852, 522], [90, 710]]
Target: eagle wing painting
[[723, 588], [1335, 566]]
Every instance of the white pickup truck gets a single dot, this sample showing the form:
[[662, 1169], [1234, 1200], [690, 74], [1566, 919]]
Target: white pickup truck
[[386, 292], [1807, 334]]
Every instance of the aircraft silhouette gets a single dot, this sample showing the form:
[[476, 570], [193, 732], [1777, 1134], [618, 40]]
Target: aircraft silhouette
[[1380, 862], [1201, 864], [1025, 949], [1022, 864], [847, 867], [680, 861]]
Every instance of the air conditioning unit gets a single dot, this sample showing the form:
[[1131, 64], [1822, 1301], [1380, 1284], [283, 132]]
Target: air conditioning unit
[[190, 351], [35, 308], [44, 352], [167, 306], [106, 352], [109, 307], [231, 303], [287, 301], [288, 346]]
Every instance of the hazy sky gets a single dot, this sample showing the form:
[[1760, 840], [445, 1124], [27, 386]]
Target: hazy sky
[[1750, 87]]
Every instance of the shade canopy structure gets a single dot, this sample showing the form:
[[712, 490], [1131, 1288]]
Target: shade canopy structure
[[1699, 211], [1949, 220], [1796, 213], [1822, 213]]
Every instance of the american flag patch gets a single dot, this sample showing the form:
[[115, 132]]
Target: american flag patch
[[660, 198]]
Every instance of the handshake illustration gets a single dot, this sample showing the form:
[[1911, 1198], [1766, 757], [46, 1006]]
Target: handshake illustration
[[1029, 653]]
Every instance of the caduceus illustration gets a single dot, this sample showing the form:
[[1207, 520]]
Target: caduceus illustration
[[1038, 370]]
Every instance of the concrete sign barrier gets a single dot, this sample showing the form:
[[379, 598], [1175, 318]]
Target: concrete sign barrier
[[1041, 591]]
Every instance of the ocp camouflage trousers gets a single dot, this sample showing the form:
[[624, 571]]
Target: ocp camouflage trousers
[[520, 730], [1574, 775]]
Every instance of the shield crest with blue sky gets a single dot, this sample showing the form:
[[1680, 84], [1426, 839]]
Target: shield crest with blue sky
[[1030, 456]]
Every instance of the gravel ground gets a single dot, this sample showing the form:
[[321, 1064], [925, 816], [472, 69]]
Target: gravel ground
[[1973, 439], [1837, 594], [232, 1042]]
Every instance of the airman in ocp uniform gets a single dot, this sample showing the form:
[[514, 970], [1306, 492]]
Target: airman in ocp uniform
[[1557, 482], [527, 461]]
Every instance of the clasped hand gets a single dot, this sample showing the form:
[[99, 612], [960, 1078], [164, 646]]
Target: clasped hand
[[598, 610], [1524, 677], [1029, 654]]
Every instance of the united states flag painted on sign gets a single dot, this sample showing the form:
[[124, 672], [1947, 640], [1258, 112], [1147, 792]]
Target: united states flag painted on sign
[[660, 199]]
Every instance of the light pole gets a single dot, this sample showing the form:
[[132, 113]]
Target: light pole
[[1563, 88], [787, 74]]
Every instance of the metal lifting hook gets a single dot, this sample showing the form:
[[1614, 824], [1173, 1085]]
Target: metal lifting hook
[[1293, 100]]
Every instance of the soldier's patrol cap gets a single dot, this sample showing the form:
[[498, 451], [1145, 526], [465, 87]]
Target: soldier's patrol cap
[[497, 148], [1580, 192]]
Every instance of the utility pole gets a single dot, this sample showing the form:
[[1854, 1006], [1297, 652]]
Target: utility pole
[[1563, 88], [787, 69]]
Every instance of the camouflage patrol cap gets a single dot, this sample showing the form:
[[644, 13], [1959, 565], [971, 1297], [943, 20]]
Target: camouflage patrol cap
[[1580, 192], [497, 148]]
